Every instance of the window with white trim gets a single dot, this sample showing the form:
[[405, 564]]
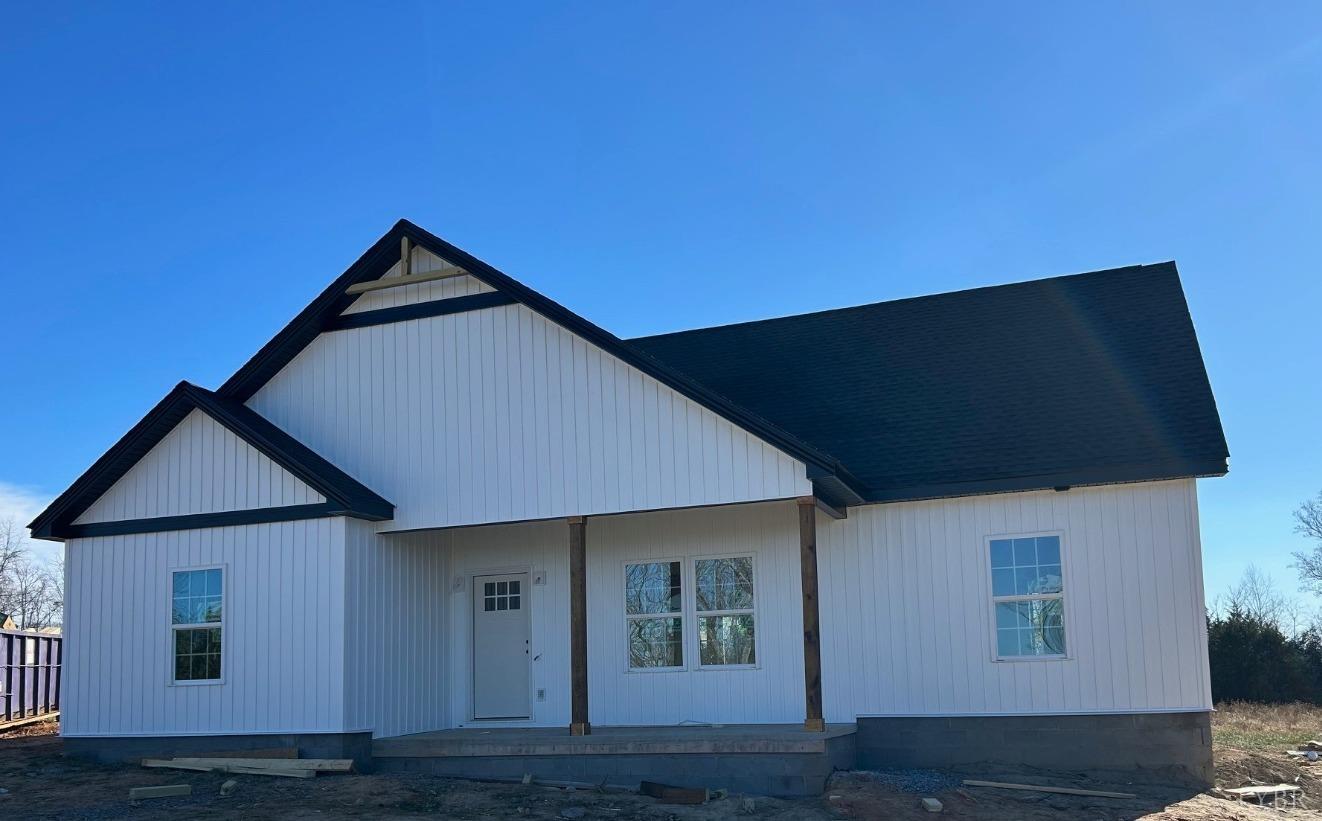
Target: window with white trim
[[1028, 596], [653, 608], [196, 623], [723, 606]]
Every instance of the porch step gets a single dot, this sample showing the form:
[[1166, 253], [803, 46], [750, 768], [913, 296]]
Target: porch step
[[781, 760]]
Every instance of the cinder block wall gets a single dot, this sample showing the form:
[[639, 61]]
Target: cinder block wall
[[1166, 742]]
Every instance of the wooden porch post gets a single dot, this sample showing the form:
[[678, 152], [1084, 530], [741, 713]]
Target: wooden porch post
[[812, 647], [578, 627]]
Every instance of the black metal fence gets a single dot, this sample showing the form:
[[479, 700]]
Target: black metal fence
[[30, 673]]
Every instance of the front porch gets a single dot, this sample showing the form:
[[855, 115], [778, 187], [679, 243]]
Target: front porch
[[763, 759]]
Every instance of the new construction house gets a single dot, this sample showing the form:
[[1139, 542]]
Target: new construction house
[[443, 523]]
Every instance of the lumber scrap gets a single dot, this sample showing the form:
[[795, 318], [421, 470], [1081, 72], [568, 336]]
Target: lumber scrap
[[168, 791], [289, 768], [1005, 785], [321, 765], [667, 794]]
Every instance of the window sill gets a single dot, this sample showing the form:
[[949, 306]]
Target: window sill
[[721, 668], [198, 682], [1030, 659]]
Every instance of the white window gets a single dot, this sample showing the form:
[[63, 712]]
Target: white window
[[723, 604], [657, 609], [1028, 596], [653, 608], [197, 611]]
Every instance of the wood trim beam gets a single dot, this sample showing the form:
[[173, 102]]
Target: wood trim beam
[[193, 521], [578, 627], [812, 645], [836, 513], [419, 310], [411, 279], [405, 257]]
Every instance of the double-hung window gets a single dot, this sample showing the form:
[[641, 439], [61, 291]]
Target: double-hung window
[[723, 594], [1028, 596], [654, 611], [197, 610], [660, 614]]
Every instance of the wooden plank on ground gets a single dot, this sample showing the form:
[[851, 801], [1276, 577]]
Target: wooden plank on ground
[[22, 722], [322, 765], [667, 794], [139, 793], [1263, 789], [238, 765], [1040, 788]]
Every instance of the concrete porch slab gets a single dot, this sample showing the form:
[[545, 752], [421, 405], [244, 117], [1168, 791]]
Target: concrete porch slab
[[765, 759]]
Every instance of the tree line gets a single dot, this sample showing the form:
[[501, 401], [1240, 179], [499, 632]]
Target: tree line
[[1260, 645]]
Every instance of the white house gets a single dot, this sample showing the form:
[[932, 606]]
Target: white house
[[932, 531]]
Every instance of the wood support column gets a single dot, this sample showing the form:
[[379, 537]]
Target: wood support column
[[812, 644], [578, 627]]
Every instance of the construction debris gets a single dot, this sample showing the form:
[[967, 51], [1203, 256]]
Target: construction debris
[[1040, 788], [139, 793], [284, 767], [667, 794], [931, 805], [1278, 795]]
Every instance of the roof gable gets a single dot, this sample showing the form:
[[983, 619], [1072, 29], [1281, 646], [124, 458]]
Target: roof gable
[[343, 494], [1084, 379], [831, 478]]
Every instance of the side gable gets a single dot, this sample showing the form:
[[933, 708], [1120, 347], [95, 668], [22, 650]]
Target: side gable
[[830, 479], [94, 504], [199, 467]]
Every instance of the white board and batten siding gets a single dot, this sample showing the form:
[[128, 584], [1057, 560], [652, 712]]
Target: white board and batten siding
[[199, 467], [398, 639], [500, 415], [282, 659], [423, 262], [907, 614]]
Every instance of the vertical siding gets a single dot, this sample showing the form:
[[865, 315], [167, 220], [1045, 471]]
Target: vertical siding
[[500, 415], [423, 262], [283, 660], [907, 614], [535, 547], [397, 638], [770, 693], [199, 467]]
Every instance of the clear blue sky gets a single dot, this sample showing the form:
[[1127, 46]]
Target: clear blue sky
[[178, 180]]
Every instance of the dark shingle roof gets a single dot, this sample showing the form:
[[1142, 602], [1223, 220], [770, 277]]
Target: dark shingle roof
[[1080, 379]]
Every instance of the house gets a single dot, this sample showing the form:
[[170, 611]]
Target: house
[[442, 522], [7, 622]]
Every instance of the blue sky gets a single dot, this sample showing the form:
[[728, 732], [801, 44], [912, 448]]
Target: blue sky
[[178, 180]]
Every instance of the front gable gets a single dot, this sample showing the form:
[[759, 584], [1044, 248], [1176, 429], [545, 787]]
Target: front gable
[[499, 414], [341, 307], [198, 460], [199, 467]]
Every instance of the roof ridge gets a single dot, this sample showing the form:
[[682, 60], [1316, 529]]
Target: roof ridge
[[898, 300]]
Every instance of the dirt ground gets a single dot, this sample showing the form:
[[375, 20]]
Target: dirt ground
[[41, 783]]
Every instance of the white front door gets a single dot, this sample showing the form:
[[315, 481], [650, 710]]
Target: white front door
[[500, 646]]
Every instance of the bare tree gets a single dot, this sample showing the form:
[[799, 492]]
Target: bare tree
[[35, 597], [1308, 522], [1256, 595], [30, 591]]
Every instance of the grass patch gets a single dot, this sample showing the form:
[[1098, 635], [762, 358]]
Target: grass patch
[[1242, 725]]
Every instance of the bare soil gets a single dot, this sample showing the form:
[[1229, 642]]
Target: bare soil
[[41, 783]]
